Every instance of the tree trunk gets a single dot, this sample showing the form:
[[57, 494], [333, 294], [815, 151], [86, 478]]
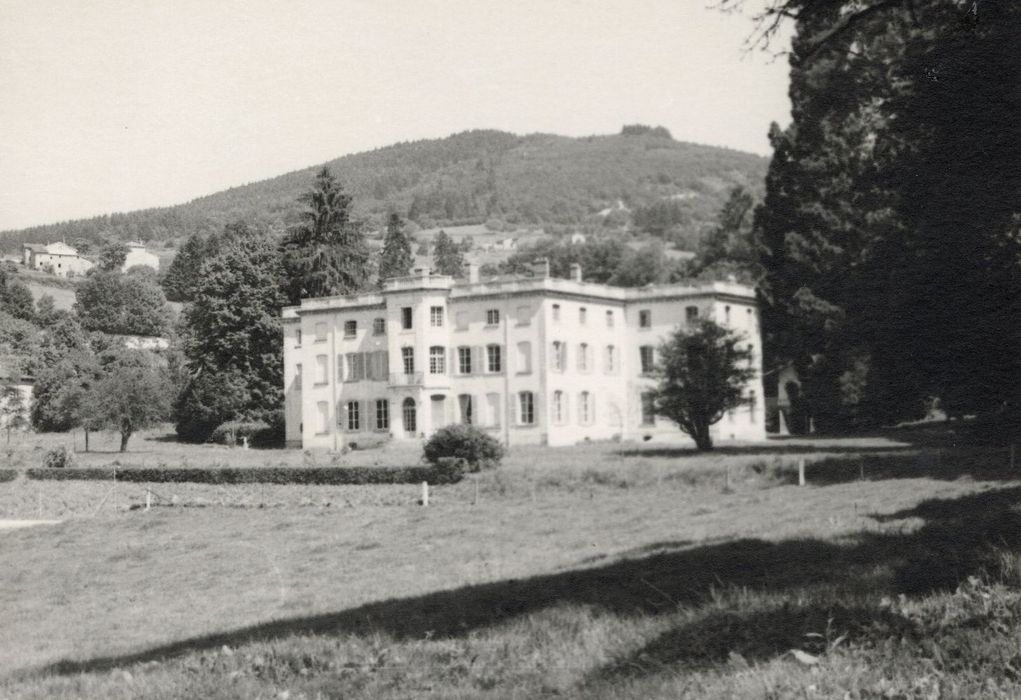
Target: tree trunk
[[703, 440], [124, 441], [86, 440]]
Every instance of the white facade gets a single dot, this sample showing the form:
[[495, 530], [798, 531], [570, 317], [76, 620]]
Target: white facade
[[138, 255], [532, 360], [56, 258]]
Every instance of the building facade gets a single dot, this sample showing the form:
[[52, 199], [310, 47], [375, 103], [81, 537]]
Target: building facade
[[56, 258], [138, 255], [532, 360]]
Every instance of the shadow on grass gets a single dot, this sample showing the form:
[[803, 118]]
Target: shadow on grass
[[961, 537]]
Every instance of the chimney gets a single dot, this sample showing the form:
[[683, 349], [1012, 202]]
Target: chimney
[[576, 272], [473, 273], [540, 268]]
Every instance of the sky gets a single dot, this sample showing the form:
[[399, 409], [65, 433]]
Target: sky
[[115, 105]]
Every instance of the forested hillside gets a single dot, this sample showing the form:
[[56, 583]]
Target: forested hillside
[[640, 176]]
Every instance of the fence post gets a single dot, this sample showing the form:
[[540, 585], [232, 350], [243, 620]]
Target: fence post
[[148, 499], [726, 478], [801, 472], [425, 493]]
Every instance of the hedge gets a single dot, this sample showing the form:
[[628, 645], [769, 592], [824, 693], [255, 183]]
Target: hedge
[[8, 475], [448, 472]]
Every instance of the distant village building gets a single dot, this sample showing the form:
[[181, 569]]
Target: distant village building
[[55, 258], [530, 359], [138, 255]]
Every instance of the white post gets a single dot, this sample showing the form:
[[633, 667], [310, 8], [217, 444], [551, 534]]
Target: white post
[[801, 472], [425, 493], [148, 499], [244, 442]]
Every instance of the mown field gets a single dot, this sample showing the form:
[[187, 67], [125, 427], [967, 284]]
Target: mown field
[[604, 571]]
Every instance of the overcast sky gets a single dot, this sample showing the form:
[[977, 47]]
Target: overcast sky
[[118, 105]]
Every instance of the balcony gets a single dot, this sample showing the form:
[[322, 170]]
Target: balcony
[[405, 379]]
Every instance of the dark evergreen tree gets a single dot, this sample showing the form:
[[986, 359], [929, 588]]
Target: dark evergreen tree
[[396, 258], [326, 253], [448, 258]]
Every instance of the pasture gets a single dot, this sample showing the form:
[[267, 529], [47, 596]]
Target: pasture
[[606, 570]]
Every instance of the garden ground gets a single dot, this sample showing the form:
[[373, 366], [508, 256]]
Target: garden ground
[[606, 570]]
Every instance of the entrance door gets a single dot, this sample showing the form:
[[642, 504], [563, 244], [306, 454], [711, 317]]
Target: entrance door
[[439, 411]]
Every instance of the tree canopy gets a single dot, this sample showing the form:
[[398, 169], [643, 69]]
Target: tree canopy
[[396, 258], [703, 373]]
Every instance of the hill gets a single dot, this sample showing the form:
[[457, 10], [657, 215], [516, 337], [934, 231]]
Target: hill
[[470, 178]]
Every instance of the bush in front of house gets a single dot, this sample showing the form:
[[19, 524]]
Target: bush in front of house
[[233, 432], [8, 475], [476, 447], [59, 458], [447, 472]]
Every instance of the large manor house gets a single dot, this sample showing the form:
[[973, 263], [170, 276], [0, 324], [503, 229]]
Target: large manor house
[[530, 359]]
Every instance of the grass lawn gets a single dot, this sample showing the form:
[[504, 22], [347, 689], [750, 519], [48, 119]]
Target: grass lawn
[[603, 571]]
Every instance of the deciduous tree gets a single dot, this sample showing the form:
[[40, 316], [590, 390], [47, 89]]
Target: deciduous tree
[[703, 373]]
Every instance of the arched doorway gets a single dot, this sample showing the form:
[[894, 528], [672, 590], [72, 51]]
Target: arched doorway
[[410, 416]]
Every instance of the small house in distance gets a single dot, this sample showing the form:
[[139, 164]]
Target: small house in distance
[[55, 258], [138, 255]]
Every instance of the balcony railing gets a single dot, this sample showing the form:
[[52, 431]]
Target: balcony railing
[[406, 379]]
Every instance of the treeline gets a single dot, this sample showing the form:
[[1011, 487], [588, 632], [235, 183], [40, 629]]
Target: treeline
[[889, 238], [467, 178]]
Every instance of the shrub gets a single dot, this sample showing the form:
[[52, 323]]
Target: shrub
[[232, 432], [447, 472], [59, 458], [8, 475], [466, 442]]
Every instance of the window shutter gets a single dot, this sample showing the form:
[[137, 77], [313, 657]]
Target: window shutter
[[340, 368], [478, 359]]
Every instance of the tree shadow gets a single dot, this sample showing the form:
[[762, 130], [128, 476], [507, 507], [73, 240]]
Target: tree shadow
[[954, 542], [981, 464]]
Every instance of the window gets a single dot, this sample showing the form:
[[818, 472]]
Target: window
[[494, 361], [648, 409], [437, 360], [524, 357], [583, 357], [408, 360], [382, 414], [464, 360], [526, 403], [406, 316], [379, 326], [690, 314], [355, 367], [297, 338], [297, 377], [524, 315], [585, 408], [492, 317], [461, 320], [320, 332], [408, 414], [323, 414], [321, 368], [350, 329], [610, 365], [464, 403], [648, 354], [493, 409], [609, 319], [645, 319], [436, 316], [353, 416], [582, 315], [556, 313], [559, 357], [558, 407]]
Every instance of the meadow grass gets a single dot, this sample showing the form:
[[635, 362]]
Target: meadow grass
[[603, 571]]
